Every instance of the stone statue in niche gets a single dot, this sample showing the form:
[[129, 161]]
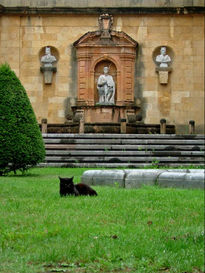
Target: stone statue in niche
[[47, 65], [163, 60], [48, 59], [106, 88]]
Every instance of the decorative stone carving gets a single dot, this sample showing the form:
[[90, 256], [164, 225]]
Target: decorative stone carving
[[96, 50], [47, 65], [106, 88], [163, 77], [163, 61], [105, 25]]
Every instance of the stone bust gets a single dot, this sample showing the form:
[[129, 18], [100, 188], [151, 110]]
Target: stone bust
[[163, 60], [106, 87], [48, 59]]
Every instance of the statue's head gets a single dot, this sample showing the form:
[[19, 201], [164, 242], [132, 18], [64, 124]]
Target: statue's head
[[163, 50], [47, 50], [106, 70]]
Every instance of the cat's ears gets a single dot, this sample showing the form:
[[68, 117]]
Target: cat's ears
[[61, 177]]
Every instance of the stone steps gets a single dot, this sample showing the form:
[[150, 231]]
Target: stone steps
[[122, 150]]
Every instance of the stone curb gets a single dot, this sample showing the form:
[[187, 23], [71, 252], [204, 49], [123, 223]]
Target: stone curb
[[104, 177], [181, 180], [174, 178]]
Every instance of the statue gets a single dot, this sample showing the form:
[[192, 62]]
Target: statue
[[163, 60], [47, 67], [48, 59], [106, 88]]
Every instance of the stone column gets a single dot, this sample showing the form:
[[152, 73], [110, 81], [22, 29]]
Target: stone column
[[163, 126], [123, 125], [44, 126], [80, 114], [191, 127]]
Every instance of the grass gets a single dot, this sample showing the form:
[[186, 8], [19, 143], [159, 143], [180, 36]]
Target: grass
[[145, 230]]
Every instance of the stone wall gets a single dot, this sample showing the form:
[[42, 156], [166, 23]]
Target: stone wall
[[106, 3], [22, 38]]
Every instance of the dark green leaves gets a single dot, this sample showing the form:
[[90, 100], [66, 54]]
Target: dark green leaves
[[21, 144]]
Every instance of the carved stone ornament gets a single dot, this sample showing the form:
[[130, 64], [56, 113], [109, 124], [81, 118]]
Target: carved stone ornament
[[163, 65], [47, 67], [105, 25], [106, 74]]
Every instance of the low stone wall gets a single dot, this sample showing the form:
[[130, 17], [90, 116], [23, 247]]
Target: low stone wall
[[172, 178]]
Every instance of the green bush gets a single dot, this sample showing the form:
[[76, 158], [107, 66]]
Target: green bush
[[21, 143]]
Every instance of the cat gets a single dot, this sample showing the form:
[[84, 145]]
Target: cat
[[67, 187]]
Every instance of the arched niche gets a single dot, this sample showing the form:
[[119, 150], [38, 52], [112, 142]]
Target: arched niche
[[169, 51], [98, 70], [54, 51]]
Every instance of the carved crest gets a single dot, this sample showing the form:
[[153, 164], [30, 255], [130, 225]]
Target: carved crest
[[105, 25]]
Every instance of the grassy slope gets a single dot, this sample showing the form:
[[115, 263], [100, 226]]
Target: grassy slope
[[146, 230]]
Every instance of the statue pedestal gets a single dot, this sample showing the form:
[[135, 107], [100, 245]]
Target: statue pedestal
[[105, 113], [163, 74], [48, 73]]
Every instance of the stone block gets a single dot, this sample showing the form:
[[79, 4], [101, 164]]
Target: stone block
[[137, 178], [163, 77], [10, 21], [134, 179], [111, 178], [48, 37], [56, 100], [178, 170], [196, 171], [181, 180], [152, 94], [198, 21]]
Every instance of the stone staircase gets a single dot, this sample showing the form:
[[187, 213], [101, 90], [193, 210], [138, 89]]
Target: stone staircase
[[123, 150]]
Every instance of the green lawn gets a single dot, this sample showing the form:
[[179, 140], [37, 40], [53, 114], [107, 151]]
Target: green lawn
[[120, 230]]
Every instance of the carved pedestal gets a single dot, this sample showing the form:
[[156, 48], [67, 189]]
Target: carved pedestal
[[48, 74], [163, 74], [104, 113]]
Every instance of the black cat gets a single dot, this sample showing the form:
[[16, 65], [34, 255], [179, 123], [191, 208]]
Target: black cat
[[67, 187]]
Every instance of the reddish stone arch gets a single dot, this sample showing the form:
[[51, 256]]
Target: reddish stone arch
[[120, 49], [94, 51]]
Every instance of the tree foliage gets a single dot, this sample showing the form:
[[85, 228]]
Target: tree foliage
[[21, 143]]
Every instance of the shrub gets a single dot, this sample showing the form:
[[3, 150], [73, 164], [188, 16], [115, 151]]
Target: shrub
[[21, 143]]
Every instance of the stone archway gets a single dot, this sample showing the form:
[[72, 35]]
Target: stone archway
[[113, 49]]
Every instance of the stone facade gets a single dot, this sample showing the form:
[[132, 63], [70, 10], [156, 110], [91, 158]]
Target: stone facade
[[23, 38]]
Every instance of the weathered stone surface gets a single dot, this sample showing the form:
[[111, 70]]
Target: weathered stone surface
[[95, 3], [181, 99], [176, 178], [163, 77], [181, 180], [137, 178], [196, 171], [104, 177]]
